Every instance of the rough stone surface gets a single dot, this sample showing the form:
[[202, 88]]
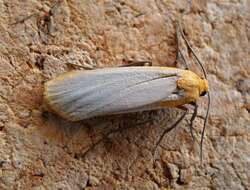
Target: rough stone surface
[[42, 151]]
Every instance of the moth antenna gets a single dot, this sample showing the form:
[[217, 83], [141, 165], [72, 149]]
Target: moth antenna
[[191, 49], [184, 60], [179, 52], [208, 94]]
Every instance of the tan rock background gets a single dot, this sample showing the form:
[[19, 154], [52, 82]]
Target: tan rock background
[[42, 151]]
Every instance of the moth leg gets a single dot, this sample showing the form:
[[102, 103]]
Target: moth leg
[[130, 63], [194, 115], [112, 132], [179, 54], [85, 66], [169, 129]]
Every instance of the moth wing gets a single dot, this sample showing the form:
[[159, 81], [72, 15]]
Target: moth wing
[[84, 94]]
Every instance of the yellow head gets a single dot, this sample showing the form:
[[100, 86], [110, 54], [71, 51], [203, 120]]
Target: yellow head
[[193, 85]]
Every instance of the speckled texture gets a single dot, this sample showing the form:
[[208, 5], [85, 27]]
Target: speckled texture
[[43, 151]]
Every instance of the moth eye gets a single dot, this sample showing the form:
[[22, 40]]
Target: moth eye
[[203, 93]]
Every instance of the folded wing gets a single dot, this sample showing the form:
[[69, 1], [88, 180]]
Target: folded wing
[[84, 94]]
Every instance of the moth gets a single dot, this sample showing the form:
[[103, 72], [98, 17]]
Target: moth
[[78, 95]]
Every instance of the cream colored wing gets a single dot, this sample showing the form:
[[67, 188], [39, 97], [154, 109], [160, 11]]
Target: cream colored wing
[[83, 94]]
